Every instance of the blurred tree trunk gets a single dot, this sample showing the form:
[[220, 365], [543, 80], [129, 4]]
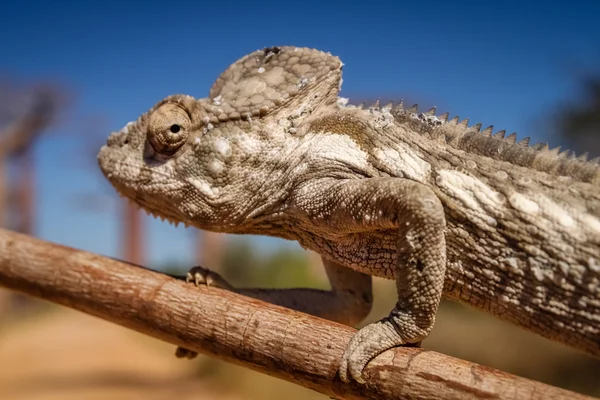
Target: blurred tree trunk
[[210, 249], [25, 196], [3, 193], [132, 236]]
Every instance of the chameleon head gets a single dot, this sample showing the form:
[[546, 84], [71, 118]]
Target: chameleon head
[[183, 159], [149, 161]]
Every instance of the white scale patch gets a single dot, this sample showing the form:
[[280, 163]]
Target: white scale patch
[[404, 161], [501, 175], [591, 222], [216, 166], [474, 194], [593, 264], [552, 212], [555, 212], [340, 148], [248, 144], [511, 265], [523, 204], [203, 187], [222, 147], [538, 271]]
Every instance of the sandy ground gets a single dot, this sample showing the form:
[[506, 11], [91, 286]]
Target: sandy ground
[[69, 355]]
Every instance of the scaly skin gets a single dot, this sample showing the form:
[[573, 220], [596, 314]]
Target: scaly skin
[[440, 207]]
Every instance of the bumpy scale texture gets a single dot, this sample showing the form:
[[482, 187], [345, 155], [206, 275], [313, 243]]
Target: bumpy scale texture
[[441, 207]]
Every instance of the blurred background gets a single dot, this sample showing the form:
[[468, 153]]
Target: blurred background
[[73, 71]]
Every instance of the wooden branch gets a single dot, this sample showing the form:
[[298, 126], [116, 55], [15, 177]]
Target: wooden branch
[[280, 342]]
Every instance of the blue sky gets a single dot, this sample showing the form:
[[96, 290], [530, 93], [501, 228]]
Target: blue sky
[[509, 64]]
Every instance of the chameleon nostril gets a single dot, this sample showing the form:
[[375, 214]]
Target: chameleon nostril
[[117, 139], [113, 139]]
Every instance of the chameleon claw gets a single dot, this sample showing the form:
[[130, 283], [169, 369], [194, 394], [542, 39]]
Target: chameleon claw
[[196, 276], [366, 344], [203, 276], [348, 372], [185, 353]]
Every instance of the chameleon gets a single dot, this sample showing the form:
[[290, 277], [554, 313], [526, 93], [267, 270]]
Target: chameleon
[[441, 207]]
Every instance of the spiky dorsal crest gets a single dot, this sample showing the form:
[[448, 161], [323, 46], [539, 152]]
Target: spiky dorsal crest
[[495, 145]]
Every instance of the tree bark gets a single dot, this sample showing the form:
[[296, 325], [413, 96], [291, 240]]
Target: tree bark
[[280, 342]]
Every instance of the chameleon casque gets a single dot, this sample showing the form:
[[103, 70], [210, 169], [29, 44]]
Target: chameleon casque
[[440, 207]]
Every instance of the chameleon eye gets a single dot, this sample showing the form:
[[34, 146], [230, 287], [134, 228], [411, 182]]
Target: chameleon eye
[[168, 128]]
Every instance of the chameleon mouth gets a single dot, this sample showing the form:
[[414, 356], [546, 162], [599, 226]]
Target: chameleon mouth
[[111, 160]]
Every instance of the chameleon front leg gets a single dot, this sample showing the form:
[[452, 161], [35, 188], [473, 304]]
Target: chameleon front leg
[[348, 302], [415, 213]]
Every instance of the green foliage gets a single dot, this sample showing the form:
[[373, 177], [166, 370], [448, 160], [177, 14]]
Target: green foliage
[[245, 267]]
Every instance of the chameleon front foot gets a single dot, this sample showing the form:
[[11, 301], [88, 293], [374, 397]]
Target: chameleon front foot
[[182, 352], [366, 344], [201, 276]]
